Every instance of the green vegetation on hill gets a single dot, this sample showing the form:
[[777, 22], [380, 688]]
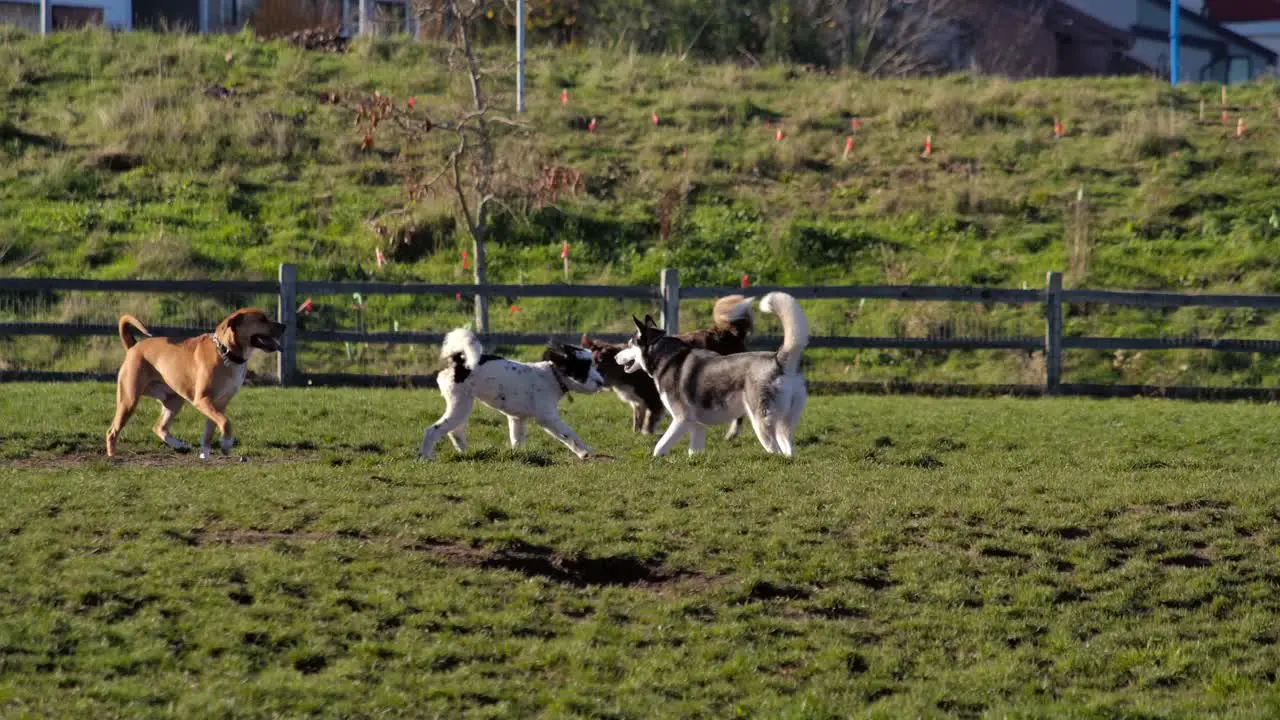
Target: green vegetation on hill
[[140, 155]]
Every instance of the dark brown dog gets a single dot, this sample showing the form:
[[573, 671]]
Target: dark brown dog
[[205, 371], [733, 324]]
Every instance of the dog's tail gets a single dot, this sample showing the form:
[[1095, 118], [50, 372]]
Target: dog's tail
[[462, 343], [795, 328], [127, 321], [733, 312]]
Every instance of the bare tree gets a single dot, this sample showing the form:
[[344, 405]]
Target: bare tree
[[1014, 42], [471, 171], [896, 38]]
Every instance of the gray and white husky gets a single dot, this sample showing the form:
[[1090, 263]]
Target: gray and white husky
[[701, 388]]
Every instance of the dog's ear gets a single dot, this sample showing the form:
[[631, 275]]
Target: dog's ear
[[231, 322], [648, 320], [639, 325], [553, 355]]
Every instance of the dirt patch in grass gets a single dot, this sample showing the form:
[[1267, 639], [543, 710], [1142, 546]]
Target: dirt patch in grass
[[578, 570], [574, 569], [1071, 532], [995, 551], [1186, 560], [764, 590], [262, 537]]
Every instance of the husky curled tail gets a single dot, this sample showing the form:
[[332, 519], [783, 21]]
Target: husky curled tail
[[463, 350], [795, 329]]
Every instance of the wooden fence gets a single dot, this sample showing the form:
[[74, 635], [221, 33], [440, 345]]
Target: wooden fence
[[668, 294]]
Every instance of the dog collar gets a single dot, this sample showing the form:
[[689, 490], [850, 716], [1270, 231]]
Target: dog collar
[[564, 386], [225, 353]]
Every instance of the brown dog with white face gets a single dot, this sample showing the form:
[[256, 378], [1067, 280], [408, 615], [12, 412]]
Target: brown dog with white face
[[205, 371]]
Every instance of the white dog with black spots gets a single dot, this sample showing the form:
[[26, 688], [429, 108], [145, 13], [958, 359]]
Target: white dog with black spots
[[521, 391]]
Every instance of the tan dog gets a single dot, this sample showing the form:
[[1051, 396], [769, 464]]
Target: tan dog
[[205, 371]]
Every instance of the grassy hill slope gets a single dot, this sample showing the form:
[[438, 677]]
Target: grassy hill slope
[[138, 155]]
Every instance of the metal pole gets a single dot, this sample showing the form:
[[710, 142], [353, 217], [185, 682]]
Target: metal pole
[[519, 56], [1174, 42], [46, 21], [363, 26]]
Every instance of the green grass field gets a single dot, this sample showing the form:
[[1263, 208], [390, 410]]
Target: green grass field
[[920, 557]]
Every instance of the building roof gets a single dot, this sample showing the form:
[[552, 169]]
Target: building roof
[[1243, 10], [1064, 18], [1213, 23]]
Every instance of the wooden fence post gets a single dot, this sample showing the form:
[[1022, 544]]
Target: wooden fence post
[[670, 290], [1053, 334], [287, 358]]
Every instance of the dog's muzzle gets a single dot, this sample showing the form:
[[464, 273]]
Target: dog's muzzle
[[269, 343], [265, 342], [629, 359]]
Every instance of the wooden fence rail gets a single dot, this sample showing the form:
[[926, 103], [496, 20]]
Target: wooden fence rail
[[668, 294]]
